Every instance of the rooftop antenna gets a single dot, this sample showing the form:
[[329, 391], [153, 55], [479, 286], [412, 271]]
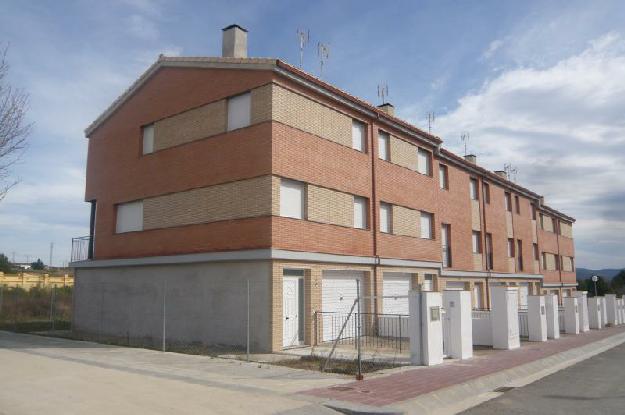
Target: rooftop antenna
[[431, 119], [511, 172], [304, 38], [464, 137], [383, 92], [323, 52], [51, 251]]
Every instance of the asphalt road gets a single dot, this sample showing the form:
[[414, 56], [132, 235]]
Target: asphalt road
[[594, 386]]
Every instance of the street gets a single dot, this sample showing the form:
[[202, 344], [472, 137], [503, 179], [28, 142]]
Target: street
[[594, 386]]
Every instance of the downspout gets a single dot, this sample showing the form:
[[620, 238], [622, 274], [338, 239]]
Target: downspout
[[484, 255], [374, 219]]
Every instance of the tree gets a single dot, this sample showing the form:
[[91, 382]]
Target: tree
[[37, 264], [618, 283], [5, 265], [603, 287], [13, 126]]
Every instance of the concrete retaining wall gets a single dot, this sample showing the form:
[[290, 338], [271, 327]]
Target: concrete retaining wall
[[205, 303]]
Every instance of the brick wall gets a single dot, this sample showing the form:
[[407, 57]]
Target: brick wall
[[330, 206], [405, 221], [403, 153]]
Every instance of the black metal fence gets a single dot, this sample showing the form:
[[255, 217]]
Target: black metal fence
[[378, 332]]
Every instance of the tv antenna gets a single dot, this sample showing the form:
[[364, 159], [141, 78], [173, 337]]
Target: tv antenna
[[464, 138], [383, 92], [323, 52], [511, 172], [304, 38], [431, 119]]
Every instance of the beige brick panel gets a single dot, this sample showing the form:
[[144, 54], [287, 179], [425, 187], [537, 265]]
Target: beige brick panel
[[310, 116], [547, 223], [241, 199], [551, 262], [477, 262], [403, 153], [567, 264], [509, 227], [476, 223], [329, 206], [566, 229], [190, 125], [275, 196], [536, 267], [261, 104], [511, 267], [405, 221]]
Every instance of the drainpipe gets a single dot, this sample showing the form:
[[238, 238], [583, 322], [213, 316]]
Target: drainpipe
[[374, 219], [484, 248]]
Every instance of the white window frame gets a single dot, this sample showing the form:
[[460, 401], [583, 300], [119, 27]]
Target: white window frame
[[359, 133], [147, 132], [360, 212], [239, 111], [384, 146], [129, 217], [427, 232], [292, 204], [473, 189], [424, 161], [443, 177], [386, 218]]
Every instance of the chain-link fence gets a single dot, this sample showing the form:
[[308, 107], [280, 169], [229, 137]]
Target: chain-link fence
[[35, 309]]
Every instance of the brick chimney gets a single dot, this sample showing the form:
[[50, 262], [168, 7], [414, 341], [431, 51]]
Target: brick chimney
[[501, 174], [388, 108], [234, 42]]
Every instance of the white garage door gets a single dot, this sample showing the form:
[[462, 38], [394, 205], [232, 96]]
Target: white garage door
[[523, 292], [395, 284], [338, 292]]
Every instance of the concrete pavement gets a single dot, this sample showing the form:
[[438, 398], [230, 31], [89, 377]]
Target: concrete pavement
[[594, 386], [58, 376]]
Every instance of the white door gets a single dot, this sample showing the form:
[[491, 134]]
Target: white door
[[290, 312], [395, 284], [395, 288], [338, 292], [523, 293]]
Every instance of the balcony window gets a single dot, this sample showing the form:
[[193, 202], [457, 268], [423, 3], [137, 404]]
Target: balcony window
[[386, 218], [445, 244], [476, 242], [473, 189], [424, 162], [427, 220], [443, 177]]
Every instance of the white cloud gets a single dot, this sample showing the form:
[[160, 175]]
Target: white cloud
[[563, 127], [492, 48]]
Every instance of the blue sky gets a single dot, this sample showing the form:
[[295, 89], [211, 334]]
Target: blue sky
[[536, 84]]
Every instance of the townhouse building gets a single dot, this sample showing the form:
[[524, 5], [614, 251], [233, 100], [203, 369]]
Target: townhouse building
[[211, 172]]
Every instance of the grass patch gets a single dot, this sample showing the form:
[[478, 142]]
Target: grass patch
[[344, 367]]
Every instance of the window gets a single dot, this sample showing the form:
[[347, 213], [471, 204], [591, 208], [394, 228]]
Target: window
[[358, 135], [517, 204], [536, 253], [148, 139], [486, 187], [445, 244], [557, 262], [519, 255], [489, 251], [239, 108], [544, 260], [443, 177], [426, 225], [510, 248], [508, 200], [473, 189], [476, 239], [384, 146], [428, 282], [129, 217], [360, 212], [386, 218], [292, 199], [424, 162], [533, 212]]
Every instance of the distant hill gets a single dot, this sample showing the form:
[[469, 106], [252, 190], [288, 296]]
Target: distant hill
[[585, 273]]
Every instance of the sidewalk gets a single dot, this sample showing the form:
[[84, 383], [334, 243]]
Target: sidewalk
[[411, 383]]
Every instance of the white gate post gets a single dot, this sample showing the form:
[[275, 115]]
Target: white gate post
[[425, 327], [611, 309], [622, 311], [594, 313], [604, 311], [583, 310], [571, 315], [505, 317], [458, 308], [537, 318], [553, 316]]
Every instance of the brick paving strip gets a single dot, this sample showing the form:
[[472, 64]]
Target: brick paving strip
[[409, 384]]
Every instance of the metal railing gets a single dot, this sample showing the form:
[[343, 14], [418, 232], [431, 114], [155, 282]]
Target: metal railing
[[523, 324], [480, 314], [378, 331], [80, 248]]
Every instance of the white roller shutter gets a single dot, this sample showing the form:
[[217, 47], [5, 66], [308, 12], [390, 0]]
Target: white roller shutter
[[395, 284], [338, 292]]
